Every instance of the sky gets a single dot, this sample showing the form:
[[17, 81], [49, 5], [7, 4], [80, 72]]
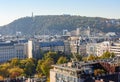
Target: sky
[[11, 10]]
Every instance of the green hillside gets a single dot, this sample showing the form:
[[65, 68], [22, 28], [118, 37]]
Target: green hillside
[[54, 24]]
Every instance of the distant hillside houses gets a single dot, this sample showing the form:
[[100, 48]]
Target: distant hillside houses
[[54, 24]]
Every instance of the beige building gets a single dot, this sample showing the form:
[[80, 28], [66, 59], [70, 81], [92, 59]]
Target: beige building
[[91, 48], [18, 49], [69, 72], [76, 47], [115, 48], [99, 48], [102, 47], [73, 44]]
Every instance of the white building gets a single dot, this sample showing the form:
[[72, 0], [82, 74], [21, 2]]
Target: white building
[[78, 32], [70, 72], [17, 49], [91, 48], [99, 48], [115, 48], [102, 47]]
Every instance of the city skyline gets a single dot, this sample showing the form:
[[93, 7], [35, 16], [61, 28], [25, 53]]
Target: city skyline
[[14, 9]]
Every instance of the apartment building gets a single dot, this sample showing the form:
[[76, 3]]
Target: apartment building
[[99, 48], [77, 46], [115, 48], [83, 71], [68, 73], [102, 47], [15, 49], [91, 48], [55, 46]]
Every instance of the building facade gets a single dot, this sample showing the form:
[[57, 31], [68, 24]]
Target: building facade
[[17, 49], [115, 48], [69, 72], [62, 46]]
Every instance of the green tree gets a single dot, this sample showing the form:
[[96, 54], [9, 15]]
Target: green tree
[[107, 54], [46, 66], [53, 55], [112, 55], [91, 57], [62, 60], [29, 67], [22, 63], [79, 57], [38, 68], [15, 62], [4, 69]]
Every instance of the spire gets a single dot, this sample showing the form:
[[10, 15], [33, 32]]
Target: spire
[[32, 15]]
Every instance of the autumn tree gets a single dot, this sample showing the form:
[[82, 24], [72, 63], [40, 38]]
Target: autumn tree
[[4, 70], [62, 60], [1, 78], [91, 57], [52, 55], [15, 62], [46, 66], [98, 72], [38, 68], [29, 68], [15, 72], [107, 54]]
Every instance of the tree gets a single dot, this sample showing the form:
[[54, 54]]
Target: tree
[[112, 55], [4, 70], [62, 60], [15, 72], [15, 62], [38, 68], [1, 78], [46, 66], [29, 68], [22, 63], [107, 54], [79, 57], [91, 57], [52, 55], [98, 71]]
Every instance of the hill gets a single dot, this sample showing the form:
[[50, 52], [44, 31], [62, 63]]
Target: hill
[[54, 24]]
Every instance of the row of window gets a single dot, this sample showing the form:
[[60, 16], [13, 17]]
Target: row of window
[[61, 77]]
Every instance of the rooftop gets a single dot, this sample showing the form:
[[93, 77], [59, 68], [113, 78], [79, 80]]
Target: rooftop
[[50, 44]]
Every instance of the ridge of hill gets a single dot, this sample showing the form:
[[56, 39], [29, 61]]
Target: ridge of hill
[[54, 24]]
